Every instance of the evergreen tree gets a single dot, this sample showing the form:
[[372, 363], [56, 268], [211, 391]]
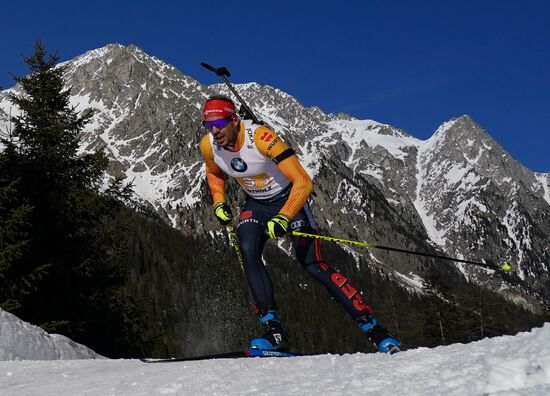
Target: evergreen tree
[[440, 314], [14, 242], [66, 266]]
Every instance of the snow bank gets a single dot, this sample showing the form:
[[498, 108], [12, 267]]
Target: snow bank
[[22, 341], [525, 365]]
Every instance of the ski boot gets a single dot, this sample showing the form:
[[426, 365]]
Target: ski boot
[[379, 336], [275, 337]]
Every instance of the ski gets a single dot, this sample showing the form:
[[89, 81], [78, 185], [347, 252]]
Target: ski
[[246, 353]]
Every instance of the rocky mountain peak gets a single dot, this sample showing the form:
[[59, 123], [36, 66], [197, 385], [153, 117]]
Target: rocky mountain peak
[[458, 132], [462, 141]]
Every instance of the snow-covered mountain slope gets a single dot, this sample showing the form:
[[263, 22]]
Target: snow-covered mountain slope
[[509, 365], [22, 341], [472, 196], [458, 192]]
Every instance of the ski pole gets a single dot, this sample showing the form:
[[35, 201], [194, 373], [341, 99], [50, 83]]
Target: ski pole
[[235, 242], [224, 73], [504, 267]]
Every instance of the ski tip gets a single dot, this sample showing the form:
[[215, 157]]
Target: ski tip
[[153, 360], [393, 350]]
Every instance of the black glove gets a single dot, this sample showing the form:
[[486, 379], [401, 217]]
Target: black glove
[[277, 226], [223, 214]]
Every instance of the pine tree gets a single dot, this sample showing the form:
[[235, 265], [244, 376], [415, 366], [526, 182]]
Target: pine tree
[[69, 257], [439, 310], [14, 242]]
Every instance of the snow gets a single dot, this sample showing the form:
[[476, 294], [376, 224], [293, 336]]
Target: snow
[[463, 206], [411, 281], [420, 204], [90, 56], [377, 173], [544, 180], [518, 233], [22, 341], [447, 176], [355, 132], [508, 365], [460, 174], [443, 128]]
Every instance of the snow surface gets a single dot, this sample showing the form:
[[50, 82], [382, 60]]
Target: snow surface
[[544, 179], [420, 204], [355, 132], [22, 341], [509, 365], [411, 281]]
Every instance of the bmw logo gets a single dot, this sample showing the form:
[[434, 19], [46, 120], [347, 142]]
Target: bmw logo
[[239, 165]]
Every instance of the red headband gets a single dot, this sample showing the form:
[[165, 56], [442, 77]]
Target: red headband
[[218, 108]]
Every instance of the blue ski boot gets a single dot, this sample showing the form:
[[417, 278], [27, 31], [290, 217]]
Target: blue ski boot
[[275, 337], [379, 336]]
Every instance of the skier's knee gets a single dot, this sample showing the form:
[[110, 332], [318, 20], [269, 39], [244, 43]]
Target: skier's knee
[[314, 268]]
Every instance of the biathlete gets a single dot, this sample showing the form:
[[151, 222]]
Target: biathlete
[[277, 190]]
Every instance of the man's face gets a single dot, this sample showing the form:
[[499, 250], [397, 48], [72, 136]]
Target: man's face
[[227, 135]]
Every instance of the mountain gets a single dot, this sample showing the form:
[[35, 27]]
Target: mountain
[[457, 193]]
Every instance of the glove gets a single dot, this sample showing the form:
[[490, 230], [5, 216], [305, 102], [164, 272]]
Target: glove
[[277, 226], [223, 214]]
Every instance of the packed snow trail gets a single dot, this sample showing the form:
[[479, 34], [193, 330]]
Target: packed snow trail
[[506, 365]]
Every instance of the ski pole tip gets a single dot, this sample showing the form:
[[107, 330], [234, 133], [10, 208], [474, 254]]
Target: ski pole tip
[[506, 267]]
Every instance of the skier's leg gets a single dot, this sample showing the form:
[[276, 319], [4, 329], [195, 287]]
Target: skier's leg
[[252, 239], [308, 252]]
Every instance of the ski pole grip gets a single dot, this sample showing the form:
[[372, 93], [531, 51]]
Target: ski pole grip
[[208, 67], [220, 71]]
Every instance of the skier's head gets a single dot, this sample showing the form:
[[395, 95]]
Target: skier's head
[[218, 106], [221, 119]]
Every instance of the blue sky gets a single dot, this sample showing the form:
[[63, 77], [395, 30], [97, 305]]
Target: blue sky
[[411, 64]]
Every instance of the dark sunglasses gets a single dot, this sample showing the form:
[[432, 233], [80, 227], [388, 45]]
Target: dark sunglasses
[[219, 123]]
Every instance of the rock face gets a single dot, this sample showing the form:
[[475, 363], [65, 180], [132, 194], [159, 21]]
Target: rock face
[[458, 193]]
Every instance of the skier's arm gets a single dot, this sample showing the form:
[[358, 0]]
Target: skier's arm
[[273, 147], [302, 186], [214, 175]]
